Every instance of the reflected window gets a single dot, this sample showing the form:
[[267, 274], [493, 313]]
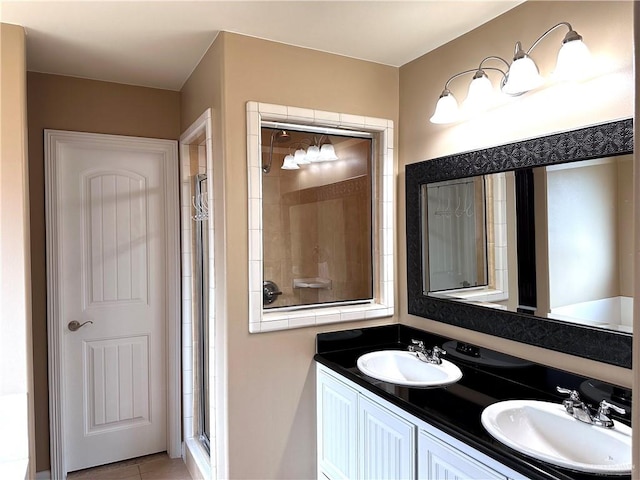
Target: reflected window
[[457, 234], [465, 224], [317, 217]]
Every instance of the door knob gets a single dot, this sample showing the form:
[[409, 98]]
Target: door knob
[[75, 325]]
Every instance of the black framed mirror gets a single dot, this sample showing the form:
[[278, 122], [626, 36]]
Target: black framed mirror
[[519, 310]]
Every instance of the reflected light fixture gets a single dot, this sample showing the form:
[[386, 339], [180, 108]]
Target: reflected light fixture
[[307, 152], [327, 153], [300, 157], [313, 153], [289, 163], [521, 76]]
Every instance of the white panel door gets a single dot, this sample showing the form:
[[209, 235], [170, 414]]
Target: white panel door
[[112, 243], [386, 444], [338, 428]]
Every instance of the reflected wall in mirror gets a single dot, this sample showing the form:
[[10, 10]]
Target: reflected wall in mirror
[[317, 220], [582, 233], [557, 215]]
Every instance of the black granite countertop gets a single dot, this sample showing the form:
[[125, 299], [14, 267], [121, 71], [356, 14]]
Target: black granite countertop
[[456, 409]]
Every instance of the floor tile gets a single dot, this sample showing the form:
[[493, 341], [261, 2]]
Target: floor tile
[[111, 472], [150, 467]]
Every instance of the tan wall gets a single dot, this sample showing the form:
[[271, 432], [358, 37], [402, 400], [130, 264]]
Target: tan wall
[[635, 414], [270, 376], [67, 103], [15, 273], [607, 29]]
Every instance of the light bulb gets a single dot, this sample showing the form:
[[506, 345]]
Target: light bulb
[[523, 74], [301, 157], [446, 109], [574, 60], [289, 163], [480, 93], [327, 153], [313, 153]]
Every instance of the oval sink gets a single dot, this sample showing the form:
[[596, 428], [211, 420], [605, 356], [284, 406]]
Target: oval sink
[[403, 368], [547, 432]]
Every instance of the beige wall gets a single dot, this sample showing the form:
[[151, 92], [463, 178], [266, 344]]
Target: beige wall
[[16, 387], [270, 375], [67, 103], [635, 414], [607, 29]]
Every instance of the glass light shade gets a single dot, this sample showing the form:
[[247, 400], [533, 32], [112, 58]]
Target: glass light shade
[[313, 153], [446, 109], [574, 61], [523, 76], [327, 153], [480, 94], [301, 157], [289, 163]]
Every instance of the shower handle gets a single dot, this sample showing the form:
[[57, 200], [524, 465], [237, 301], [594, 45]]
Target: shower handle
[[270, 292]]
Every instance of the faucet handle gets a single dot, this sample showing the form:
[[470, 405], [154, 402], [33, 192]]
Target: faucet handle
[[605, 406], [419, 345], [437, 351], [574, 396]]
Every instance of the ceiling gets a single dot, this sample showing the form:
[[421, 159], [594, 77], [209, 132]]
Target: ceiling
[[159, 43]]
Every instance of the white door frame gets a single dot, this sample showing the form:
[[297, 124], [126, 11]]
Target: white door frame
[[55, 341], [216, 464]]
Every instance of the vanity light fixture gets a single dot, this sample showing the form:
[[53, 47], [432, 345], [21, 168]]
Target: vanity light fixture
[[478, 98], [521, 76]]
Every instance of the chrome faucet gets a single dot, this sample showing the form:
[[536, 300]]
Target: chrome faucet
[[583, 412], [428, 356]]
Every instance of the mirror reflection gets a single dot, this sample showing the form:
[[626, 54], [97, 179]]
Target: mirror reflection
[[579, 265], [317, 218]]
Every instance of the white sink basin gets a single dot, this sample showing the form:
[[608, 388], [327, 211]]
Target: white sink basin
[[403, 368], [547, 432]]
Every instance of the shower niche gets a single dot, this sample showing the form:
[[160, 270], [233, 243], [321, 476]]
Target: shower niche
[[321, 206]]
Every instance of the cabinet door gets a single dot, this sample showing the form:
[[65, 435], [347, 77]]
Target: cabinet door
[[438, 460], [337, 428], [386, 444]]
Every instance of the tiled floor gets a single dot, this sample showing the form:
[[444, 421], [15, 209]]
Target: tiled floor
[[151, 467]]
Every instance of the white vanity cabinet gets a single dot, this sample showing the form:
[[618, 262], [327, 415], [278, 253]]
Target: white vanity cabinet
[[362, 436], [438, 459], [386, 443], [357, 437], [337, 411]]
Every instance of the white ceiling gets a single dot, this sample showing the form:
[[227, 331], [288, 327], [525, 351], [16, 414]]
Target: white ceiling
[[159, 43]]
